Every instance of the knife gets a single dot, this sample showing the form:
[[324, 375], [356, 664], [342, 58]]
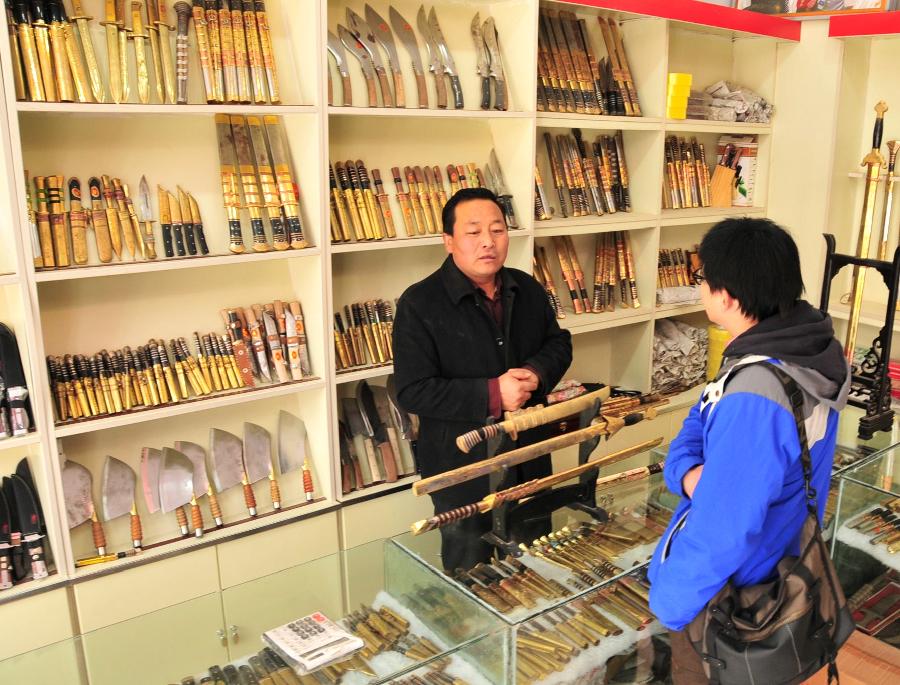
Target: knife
[[351, 474], [340, 58], [198, 225], [227, 459], [292, 454], [79, 499], [363, 33], [197, 455], [446, 59], [259, 347], [13, 377], [376, 430], [402, 452], [274, 341], [382, 32], [176, 489], [434, 57], [358, 436], [293, 346], [365, 62], [258, 460], [117, 496], [165, 221], [483, 64], [502, 193], [404, 31], [492, 40], [146, 217], [151, 468], [185, 210], [30, 525], [6, 572], [404, 422], [177, 224]]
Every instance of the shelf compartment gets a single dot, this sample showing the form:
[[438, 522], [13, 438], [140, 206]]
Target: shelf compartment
[[707, 215], [664, 311], [687, 126], [27, 440], [590, 122], [412, 111], [381, 489], [8, 279], [577, 225], [401, 243], [588, 323], [356, 375], [107, 108]]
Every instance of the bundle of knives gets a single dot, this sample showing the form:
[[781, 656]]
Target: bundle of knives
[[15, 407], [361, 209], [263, 343], [54, 59], [594, 177], [22, 529], [363, 36], [255, 160], [687, 179], [677, 267], [377, 437], [571, 79], [173, 478], [881, 524], [366, 339], [59, 238]]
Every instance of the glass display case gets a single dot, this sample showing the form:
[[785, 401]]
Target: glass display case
[[866, 543]]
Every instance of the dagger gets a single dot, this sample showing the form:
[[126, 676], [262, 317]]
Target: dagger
[[123, 49], [135, 224], [112, 50], [254, 53], [365, 62], [30, 62], [271, 199], [184, 207], [124, 218], [138, 36], [145, 218], [287, 189], [42, 40], [78, 222], [215, 49], [98, 221], [404, 31], [168, 69], [247, 171], [36, 248], [293, 346], [380, 31], [165, 220], [492, 41], [336, 50], [198, 225], [268, 54], [434, 59], [177, 225], [63, 67], [156, 56], [449, 66], [183, 13], [274, 341], [230, 196], [56, 207], [203, 49], [403, 199], [259, 346], [112, 216], [482, 67], [502, 193]]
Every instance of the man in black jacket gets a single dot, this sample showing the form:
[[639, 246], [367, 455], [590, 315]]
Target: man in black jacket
[[472, 340]]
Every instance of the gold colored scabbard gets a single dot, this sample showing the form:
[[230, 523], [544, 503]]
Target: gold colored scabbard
[[18, 71], [156, 56], [268, 54], [31, 63], [255, 57], [203, 50], [123, 63], [241, 62], [80, 76], [45, 59], [61, 70], [112, 61], [90, 57], [168, 67]]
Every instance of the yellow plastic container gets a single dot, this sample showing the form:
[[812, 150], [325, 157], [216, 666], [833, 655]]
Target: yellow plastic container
[[718, 341], [676, 112], [676, 79], [679, 89], [676, 101]]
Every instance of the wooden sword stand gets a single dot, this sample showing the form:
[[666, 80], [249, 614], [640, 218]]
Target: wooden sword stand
[[870, 386]]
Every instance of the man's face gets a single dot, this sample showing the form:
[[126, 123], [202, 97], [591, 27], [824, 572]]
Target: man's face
[[480, 240]]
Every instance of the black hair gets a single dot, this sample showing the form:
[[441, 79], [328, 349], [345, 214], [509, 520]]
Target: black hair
[[448, 215], [756, 262]]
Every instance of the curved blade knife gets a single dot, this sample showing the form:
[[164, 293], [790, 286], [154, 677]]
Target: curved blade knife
[[446, 59], [365, 62], [364, 34], [336, 49], [483, 65], [382, 32], [435, 65], [117, 495], [405, 33], [376, 429], [492, 41]]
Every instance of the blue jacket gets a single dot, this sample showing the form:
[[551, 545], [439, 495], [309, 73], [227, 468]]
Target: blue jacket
[[748, 507]]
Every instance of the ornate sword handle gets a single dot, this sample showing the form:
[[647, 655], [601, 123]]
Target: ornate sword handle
[[399, 90], [500, 95], [386, 96], [441, 89], [485, 92]]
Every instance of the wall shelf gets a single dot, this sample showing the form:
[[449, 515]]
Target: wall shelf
[[683, 126], [620, 221], [156, 110], [414, 112], [594, 122], [381, 488], [588, 323], [357, 375], [8, 279], [864, 25], [20, 441], [706, 215]]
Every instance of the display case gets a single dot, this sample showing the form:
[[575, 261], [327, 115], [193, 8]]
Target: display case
[[866, 542]]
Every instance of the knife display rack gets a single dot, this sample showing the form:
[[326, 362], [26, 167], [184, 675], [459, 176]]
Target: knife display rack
[[102, 306]]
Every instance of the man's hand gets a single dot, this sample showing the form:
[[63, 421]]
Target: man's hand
[[690, 480], [516, 386]]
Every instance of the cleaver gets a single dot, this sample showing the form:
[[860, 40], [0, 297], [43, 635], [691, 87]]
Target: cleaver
[[176, 489], [258, 459], [226, 457], [197, 455], [79, 499], [292, 450], [117, 496]]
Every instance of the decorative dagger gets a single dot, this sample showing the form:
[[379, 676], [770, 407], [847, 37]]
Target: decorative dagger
[[287, 189], [146, 217], [177, 225], [198, 225], [185, 211], [482, 67], [123, 49], [226, 38], [404, 30], [165, 221], [183, 13], [199, 15], [241, 62], [215, 50], [230, 194], [30, 61], [15, 52], [124, 218], [161, 22], [112, 216], [449, 66], [247, 172], [56, 206], [274, 343], [434, 57], [259, 346], [267, 182], [365, 62], [99, 222], [36, 247], [336, 49], [138, 36], [491, 39], [44, 54], [62, 67], [502, 194], [156, 56], [78, 222], [254, 53], [379, 29], [80, 76], [135, 224]]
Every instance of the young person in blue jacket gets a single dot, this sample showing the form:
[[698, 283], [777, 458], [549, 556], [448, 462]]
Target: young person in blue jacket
[[736, 461]]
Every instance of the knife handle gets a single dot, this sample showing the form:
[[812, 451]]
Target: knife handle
[[250, 499], [457, 91], [330, 93], [308, 490], [345, 484], [214, 509], [5, 569], [201, 239], [422, 89], [181, 517], [370, 89], [486, 92], [386, 97], [179, 240], [395, 449], [357, 472], [167, 241], [196, 519], [506, 201], [36, 555], [399, 90], [275, 492], [500, 95], [260, 242], [137, 531], [390, 464], [441, 89], [347, 100], [98, 535], [374, 466], [189, 239]]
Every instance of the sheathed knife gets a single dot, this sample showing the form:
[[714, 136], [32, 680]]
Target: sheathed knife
[[146, 217], [449, 66], [492, 41], [258, 460], [117, 496], [292, 454], [404, 422], [365, 62], [273, 340], [359, 437], [176, 489], [382, 33], [376, 430], [363, 33], [112, 50], [340, 59], [502, 193], [435, 66], [6, 573], [407, 36], [79, 499], [298, 354], [13, 377], [226, 457], [197, 455], [483, 64], [30, 525]]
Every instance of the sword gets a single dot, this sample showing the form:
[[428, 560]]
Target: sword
[[156, 55], [123, 49], [146, 217], [268, 54], [168, 69], [215, 49], [230, 193], [241, 61], [98, 221], [254, 53], [405, 32], [226, 39], [278, 147], [893, 147], [449, 66], [140, 56], [271, 200], [112, 51], [378, 29], [247, 170]]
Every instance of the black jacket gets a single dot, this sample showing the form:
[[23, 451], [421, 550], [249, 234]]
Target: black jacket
[[447, 346]]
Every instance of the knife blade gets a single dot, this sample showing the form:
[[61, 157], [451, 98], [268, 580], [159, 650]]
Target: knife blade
[[376, 430], [446, 59], [197, 455], [259, 347], [293, 346], [77, 491], [117, 495], [227, 458], [382, 33], [358, 50], [405, 33], [292, 454], [176, 489], [13, 377], [258, 459], [502, 193], [363, 33], [30, 525], [6, 572], [492, 41], [336, 49], [274, 341], [401, 450], [146, 216], [435, 66], [351, 473], [359, 436], [404, 421], [482, 66]]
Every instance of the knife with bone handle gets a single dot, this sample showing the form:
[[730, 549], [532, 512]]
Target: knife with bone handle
[[358, 50], [117, 488], [363, 33], [79, 500]]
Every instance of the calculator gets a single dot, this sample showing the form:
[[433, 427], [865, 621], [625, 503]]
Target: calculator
[[311, 642]]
